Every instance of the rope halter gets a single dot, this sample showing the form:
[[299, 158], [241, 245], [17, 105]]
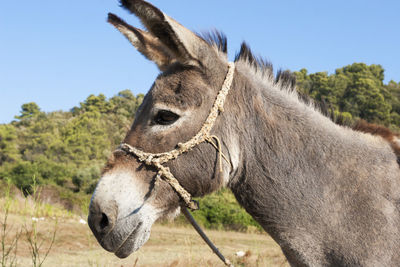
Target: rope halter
[[158, 159]]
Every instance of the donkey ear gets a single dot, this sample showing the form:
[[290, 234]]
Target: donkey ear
[[146, 43], [185, 45]]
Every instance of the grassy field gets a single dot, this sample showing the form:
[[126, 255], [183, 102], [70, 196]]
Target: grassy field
[[169, 245]]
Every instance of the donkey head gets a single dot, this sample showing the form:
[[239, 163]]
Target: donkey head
[[128, 198]]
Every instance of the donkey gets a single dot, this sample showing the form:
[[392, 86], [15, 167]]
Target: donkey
[[328, 195]]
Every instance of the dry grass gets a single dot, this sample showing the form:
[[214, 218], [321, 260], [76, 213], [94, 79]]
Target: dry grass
[[168, 246]]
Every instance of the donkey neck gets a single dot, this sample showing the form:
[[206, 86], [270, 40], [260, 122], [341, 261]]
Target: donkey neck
[[281, 131], [289, 155]]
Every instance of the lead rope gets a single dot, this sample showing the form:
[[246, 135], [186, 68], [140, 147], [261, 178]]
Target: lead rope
[[190, 218], [157, 159]]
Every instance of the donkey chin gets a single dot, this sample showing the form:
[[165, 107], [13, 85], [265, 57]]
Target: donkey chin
[[119, 215]]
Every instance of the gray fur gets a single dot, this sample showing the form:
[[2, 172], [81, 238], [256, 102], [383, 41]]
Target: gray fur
[[328, 195]]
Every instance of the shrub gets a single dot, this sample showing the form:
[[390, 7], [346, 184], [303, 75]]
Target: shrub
[[220, 210], [21, 176]]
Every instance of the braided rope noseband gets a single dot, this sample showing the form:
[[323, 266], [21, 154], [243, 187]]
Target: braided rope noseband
[[157, 159]]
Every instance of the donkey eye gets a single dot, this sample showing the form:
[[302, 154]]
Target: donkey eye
[[165, 117]]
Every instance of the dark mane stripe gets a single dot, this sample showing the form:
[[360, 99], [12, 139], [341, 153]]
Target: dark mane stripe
[[287, 79], [258, 63], [219, 40], [216, 38]]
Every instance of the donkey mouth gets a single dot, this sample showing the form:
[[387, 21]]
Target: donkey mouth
[[133, 242]]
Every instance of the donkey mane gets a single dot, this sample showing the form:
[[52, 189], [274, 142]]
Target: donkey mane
[[284, 80], [257, 63], [217, 39]]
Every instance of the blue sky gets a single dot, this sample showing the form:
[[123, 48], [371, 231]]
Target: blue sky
[[56, 53]]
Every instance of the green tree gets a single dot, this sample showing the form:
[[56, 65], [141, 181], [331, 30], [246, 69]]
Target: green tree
[[303, 81], [357, 90], [93, 104], [393, 96], [364, 96], [8, 144], [28, 110]]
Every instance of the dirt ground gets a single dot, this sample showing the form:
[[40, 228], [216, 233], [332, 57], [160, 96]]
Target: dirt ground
[[168, 246]]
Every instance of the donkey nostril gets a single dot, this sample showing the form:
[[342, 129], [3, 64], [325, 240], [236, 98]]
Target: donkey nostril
[[104, 221]]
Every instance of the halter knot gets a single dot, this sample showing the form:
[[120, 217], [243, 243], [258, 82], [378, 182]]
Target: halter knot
[[149, 160]]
